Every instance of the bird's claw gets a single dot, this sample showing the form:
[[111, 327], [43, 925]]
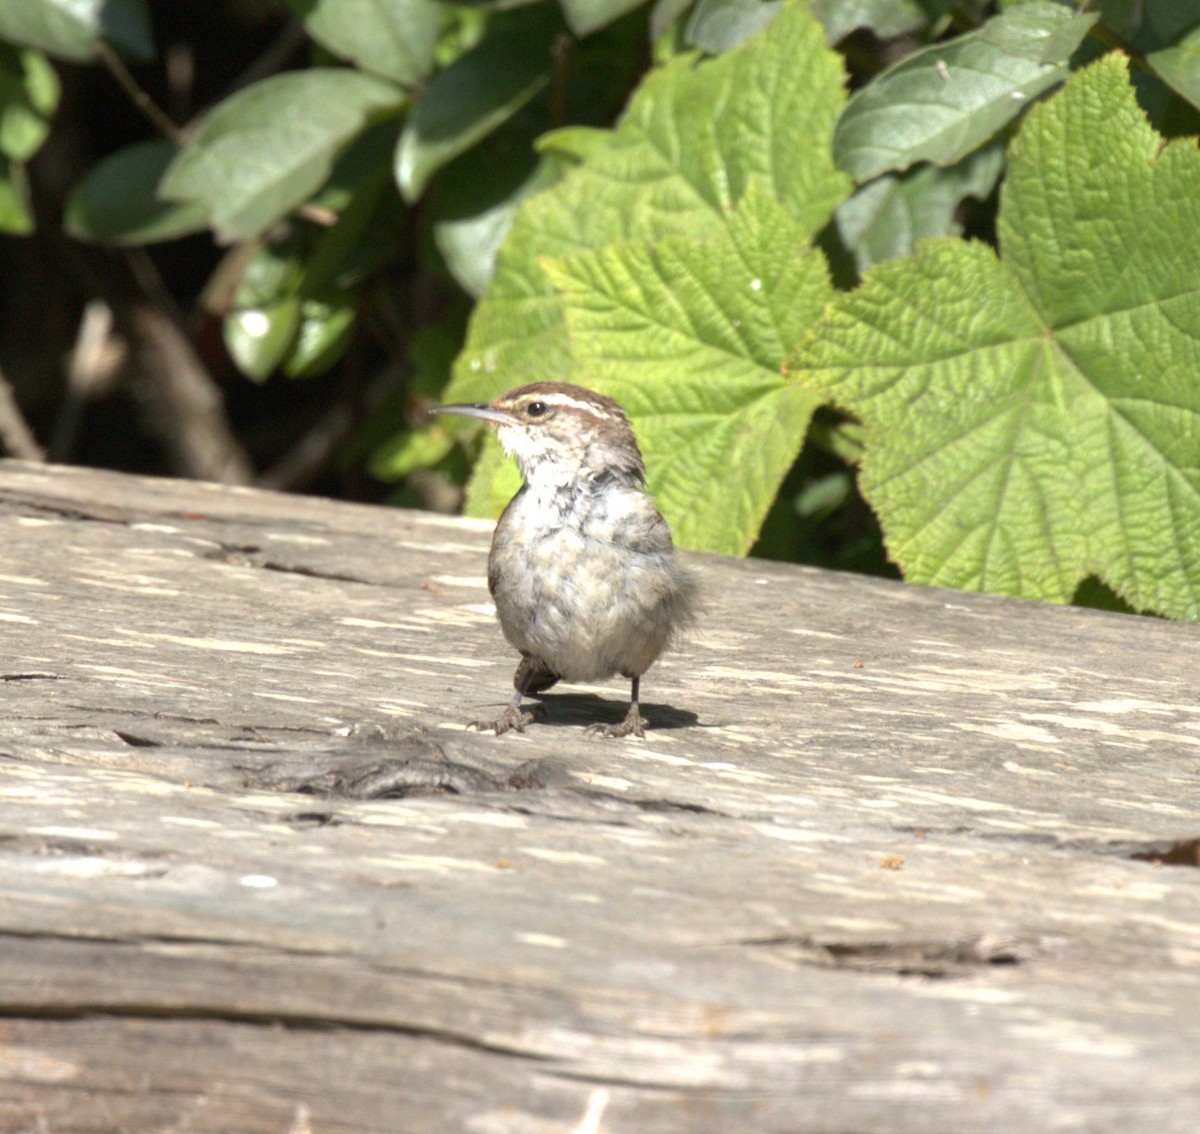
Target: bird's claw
[[511, 719], [633, 725]]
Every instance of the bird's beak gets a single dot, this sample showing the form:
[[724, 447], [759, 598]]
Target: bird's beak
[[480, 410]]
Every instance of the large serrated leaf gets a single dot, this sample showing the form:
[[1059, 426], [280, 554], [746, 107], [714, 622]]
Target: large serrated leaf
[[266, 149], [693, 137], [1035, 419], [944, 101], [71, 28], [392, 38], [690, 336]]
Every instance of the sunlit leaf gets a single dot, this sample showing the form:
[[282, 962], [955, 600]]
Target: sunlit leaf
[[266, 149], [942, 102], [29, 93], [1034, 419], [392, 38], [71, 28]]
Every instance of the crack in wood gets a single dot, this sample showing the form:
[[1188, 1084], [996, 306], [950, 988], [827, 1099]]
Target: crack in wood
[[264, 1019], [313, 573], [931, 959], [135, 741], [14, 503], [1185, 852], [1168, 851]]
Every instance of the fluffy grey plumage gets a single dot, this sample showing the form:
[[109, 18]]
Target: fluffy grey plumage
[[582, 569]]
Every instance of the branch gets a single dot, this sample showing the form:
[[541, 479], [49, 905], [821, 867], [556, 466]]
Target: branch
[[15, 435], [137, 94]]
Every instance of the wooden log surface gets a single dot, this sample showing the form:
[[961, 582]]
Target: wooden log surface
[[890, 858]]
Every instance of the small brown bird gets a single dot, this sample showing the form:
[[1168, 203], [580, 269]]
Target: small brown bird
[[582, 569]]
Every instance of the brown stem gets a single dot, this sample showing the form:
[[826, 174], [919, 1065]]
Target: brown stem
[[137, 95], [15, 435]]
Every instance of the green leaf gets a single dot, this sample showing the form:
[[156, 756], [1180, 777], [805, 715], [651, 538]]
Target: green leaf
[[886, 18], [16, 216], [409, 451], [28, 98], [274, 271], [944, 101], [587, 16], [259, 338], [1035, 419], [1169, 19], [269, 147], [679, 161], [367, 159], [1145, 25], [474, 209], [574, 143], [664, 14], [70, 28], [476, 94], [294, 305], [1179, 67], [691, 336], [431, 352], [494, 481], [718, 25], [325, 330], [346, 251], [392, 38], [473, 205], [886, 217], [117, 202]]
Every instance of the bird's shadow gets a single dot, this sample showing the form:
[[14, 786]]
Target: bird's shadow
[[587, 708]]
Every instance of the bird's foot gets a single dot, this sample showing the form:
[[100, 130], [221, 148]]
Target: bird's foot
[[633, 725], [511, 718]]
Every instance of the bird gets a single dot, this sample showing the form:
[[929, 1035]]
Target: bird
[[583, 571]]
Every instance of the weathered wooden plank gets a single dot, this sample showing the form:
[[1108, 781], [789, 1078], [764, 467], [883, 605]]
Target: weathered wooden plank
[[875, 868]]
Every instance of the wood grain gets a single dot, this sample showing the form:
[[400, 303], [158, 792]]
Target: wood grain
[[889, 859]]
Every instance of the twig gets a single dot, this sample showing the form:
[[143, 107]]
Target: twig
[[180, 401], [266, 64], [312, 454], [15, 435], [92, 363], [272, 59], [137, 94]]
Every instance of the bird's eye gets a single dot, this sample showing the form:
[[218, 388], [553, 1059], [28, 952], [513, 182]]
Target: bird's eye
[[535, 409]]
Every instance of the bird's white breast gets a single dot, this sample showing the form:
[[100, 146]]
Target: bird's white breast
[[579, 585]]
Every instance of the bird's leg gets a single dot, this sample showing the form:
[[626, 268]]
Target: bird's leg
[[512, 717], [633, 724]]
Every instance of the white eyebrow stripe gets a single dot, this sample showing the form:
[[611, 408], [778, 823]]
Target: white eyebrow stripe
[[565, 401]]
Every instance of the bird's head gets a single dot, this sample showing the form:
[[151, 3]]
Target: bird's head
[[558, 433]]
